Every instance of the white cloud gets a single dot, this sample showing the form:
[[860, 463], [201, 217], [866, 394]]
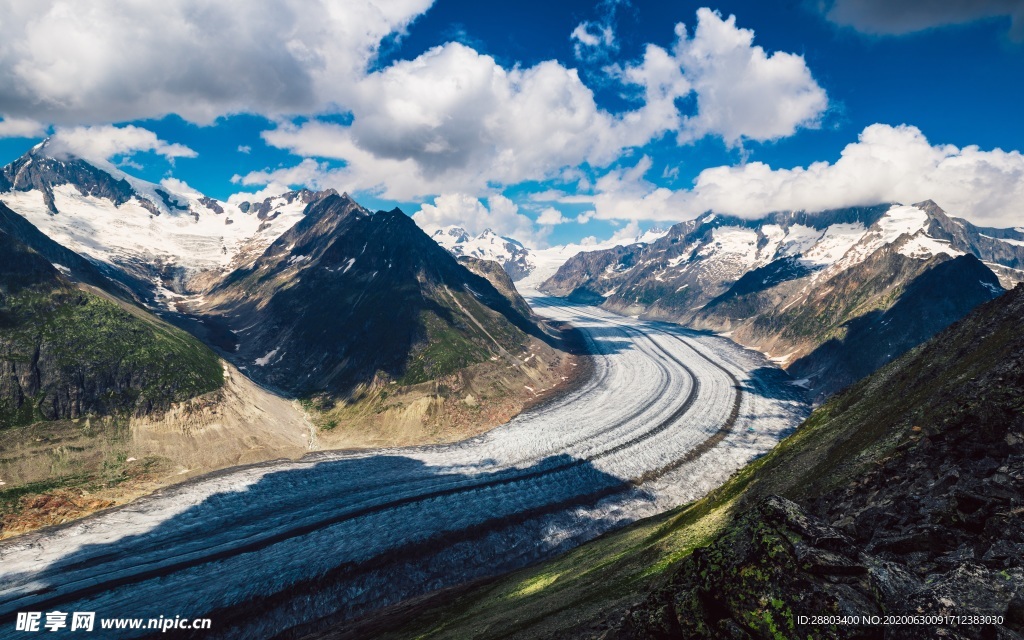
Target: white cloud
[[551, 216], [626, 235], [897, 17], [21, 128], [454, 120], [271, 190], [499, 214], [590, 39], [886, 164], [548, 195], [180, 186], [244, 148], [309, 172], [742, 91], [101, 143], [68, 62]]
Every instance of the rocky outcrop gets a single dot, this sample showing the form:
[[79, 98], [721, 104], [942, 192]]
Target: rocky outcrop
[[36, 170], [499, 279], [779, 572], [914, 505]]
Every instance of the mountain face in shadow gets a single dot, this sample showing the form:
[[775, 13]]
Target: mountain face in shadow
[[347, 296], [900, 496]]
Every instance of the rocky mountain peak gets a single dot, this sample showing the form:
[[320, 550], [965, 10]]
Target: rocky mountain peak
[[343, 296], [512, 255], [37, 170]]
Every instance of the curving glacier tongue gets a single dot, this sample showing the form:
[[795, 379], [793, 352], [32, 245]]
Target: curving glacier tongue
[[667, 415]]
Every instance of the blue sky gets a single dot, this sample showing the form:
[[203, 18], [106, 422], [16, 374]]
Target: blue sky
[[497, 115]]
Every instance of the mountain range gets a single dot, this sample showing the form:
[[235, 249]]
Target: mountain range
[[383, 335], [488, 245], [829, 295], [529, 266]]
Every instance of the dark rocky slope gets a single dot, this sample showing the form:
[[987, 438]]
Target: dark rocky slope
[[500, 279], [872, 314], [347, 298], [903, 497], [901, 494]]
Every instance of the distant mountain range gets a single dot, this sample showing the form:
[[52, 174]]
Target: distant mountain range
[[526, 265], [156, 237], [509, 253], [830, 295]]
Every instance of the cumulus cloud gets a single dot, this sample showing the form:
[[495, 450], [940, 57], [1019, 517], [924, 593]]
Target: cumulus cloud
[[180, 186], [271, 190], [454, 120], [897, 17], [309, 172], [551, 216], [499, 214], [244, 148], [21, 128], [886, 164], [742, 91], [102, 143], [68, 62]]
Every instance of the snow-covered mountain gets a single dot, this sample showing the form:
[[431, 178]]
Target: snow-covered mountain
[[699, 259], [803, 285], [165, 234], [509, 253], [527, 266]]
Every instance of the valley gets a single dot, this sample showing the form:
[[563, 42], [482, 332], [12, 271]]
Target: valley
[[337, 378], [666, 415]]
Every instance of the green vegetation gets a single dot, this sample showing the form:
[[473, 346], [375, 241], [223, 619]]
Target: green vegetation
[[447, 350], [451, 346], [72, 353]]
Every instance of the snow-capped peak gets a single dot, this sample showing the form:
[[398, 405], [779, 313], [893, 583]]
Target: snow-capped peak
[[163, 233], [488, 245]]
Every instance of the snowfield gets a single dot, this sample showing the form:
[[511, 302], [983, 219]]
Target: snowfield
[[667, 415]]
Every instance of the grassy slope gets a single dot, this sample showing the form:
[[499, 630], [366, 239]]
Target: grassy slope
[[841, 439], [90, 341], [75, 364]]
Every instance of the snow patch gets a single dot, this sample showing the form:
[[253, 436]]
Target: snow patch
[[265, 360], [922, 247]]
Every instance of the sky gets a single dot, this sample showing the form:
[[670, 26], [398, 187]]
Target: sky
[[550, 122]]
